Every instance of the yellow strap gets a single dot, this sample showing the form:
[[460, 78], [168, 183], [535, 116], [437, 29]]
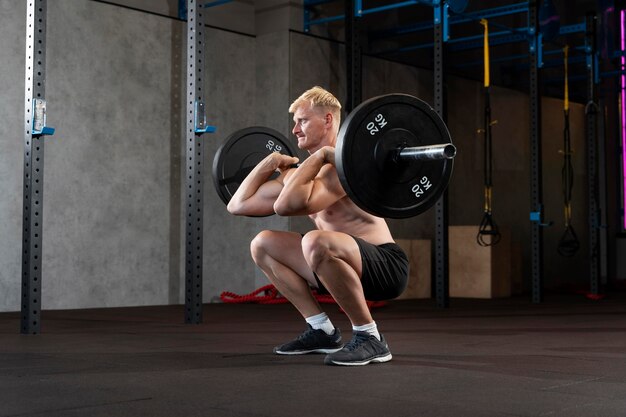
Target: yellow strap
[[566, 100], [487, 199], [486, 50]]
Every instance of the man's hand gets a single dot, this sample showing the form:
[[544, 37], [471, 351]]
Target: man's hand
[[327, 154], [258, 192], [312, 187], [280, 162]]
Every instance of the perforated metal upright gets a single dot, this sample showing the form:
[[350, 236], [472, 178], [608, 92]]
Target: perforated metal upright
[[193, 169], [442, 279], [536, 187], [591, 112], [353, 57], [32, 223]]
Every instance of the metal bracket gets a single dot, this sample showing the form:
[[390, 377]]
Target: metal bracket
[[535, 41], [535, 217], [182, 9], [215, 3], [593, 64], [442, 16], [200, 119], [446, 22], [539, 50], [39, 119], [437, 18]]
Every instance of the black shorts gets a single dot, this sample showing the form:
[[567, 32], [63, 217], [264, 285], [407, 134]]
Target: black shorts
[[385, 271]]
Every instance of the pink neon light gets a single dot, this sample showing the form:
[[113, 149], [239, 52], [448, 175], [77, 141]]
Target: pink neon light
[[623, 77]]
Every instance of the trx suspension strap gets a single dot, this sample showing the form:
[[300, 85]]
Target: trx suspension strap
[[569, 244], [488, 232]]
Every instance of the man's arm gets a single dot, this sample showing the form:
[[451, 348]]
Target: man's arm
[[257, 193], [313, 187]]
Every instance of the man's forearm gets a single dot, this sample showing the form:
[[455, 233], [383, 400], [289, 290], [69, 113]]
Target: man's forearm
[[295, 196], [259, 175], [249, 186]]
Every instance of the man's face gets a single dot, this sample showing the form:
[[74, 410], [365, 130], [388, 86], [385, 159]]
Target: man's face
[[309, 127]]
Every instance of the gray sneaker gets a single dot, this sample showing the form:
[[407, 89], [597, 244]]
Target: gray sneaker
[[361, 350], [312, 341]]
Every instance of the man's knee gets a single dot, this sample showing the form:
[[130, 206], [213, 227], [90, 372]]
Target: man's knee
[[316, 247], [260, 245]]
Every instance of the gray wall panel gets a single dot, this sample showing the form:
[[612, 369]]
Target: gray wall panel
[[113, 227], [107, 190], [272, 81], [230, 85], [12, 56]]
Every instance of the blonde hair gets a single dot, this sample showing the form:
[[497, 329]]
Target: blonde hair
[[317, 97]]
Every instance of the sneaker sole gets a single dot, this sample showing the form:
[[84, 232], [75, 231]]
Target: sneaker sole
[[378, 359], [305, 352]]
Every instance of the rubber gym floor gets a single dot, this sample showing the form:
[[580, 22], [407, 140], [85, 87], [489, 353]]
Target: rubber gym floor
[[508, 357]]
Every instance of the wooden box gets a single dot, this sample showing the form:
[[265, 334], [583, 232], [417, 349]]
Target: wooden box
[[419, 253], [478, 271]]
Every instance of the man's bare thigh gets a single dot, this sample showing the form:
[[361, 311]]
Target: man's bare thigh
[[286, 248], [343, 246]]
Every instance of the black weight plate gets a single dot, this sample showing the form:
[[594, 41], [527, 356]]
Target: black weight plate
[[367, 142], [241, 152]]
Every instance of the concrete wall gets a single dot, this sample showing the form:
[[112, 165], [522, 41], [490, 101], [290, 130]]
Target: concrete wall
[[113, 211], [107, 194], [252, 17], [107, 188], [113, 233], [12, 52]]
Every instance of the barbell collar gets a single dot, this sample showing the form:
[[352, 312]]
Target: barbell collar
[[430, 152]]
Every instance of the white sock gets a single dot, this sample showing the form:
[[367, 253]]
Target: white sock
[[321, 321], [369, 328]]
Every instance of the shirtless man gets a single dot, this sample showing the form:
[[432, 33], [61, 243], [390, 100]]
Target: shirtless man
[[350, 255]]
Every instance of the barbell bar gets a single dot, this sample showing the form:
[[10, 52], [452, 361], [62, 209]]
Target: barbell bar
[[394, 156], [426, 153]]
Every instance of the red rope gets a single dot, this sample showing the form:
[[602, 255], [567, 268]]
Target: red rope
[[589, 295], [272, 296]]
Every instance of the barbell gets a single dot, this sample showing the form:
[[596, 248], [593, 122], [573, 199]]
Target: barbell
[[394, 156]]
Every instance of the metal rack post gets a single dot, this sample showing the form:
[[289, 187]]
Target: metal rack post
[[442, 281], [591, 112], [353, 57], [34, 131], [536, 187], [193, 169]]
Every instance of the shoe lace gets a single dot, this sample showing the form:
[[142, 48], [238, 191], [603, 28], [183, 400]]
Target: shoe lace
[[356, 341], [306, 334]]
